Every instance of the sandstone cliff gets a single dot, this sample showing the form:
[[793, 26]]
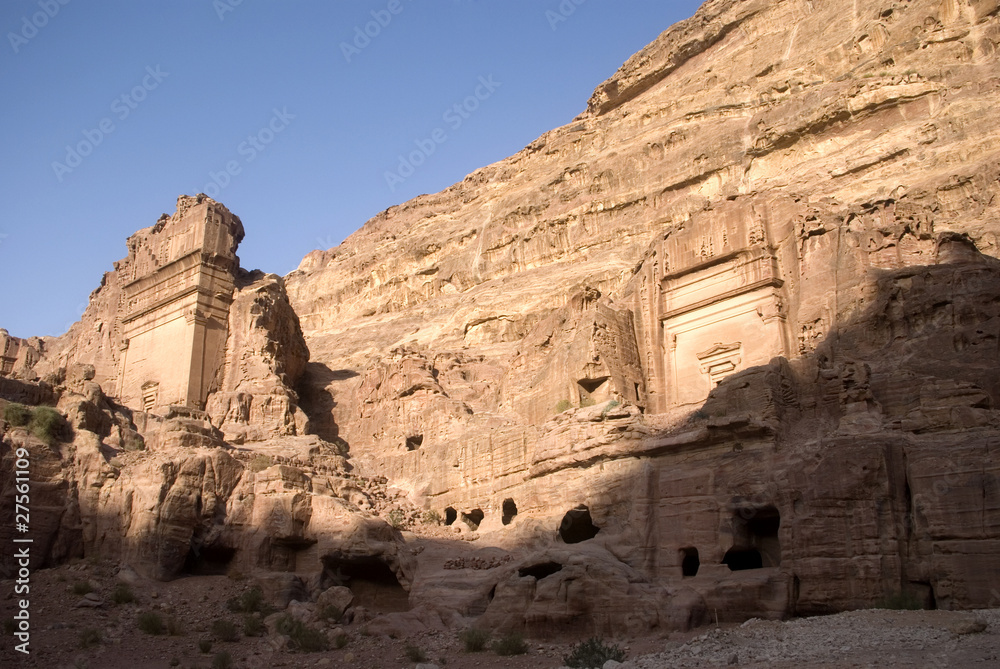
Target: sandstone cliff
[[728, 341]]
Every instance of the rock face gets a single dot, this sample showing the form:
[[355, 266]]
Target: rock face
[[727, 342], [764, 253]]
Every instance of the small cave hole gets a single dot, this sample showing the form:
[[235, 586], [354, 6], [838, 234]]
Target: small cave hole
[[540, 571], [509, 511], [473, 518], [212, 560], [739, 559], [450, 515], [690, 562], [413, 442], [577, 526], [370, 578], [755, 539]]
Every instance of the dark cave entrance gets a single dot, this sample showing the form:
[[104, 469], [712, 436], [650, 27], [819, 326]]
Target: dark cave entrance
[[473, 518], [577, 525], [509, 511], [211, 560], [415, 441], [370, 578], [540, 571], [755, 539], [450, 515], [690, 562]]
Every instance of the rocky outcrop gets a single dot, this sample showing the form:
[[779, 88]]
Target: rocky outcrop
[[756, 254], [265, 358], [727, 342]]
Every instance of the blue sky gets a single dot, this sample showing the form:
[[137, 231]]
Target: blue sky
[[287, 112]]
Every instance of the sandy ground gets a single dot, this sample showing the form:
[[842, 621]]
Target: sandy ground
[[874, 638]]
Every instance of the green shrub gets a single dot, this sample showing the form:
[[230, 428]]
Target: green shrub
[[587, 402], [563, 405], [302, 637], [608, 407], [592, 654], [397, 518], [16, 414], [474, 640], [89, 637], [122, 594], [340, 641], [222, 660], [511, 644], [46, 424], [431, 518], [253, 626], [205, 645], [415, 653], [150, 622], [225, 630], [251, 601], [81, 588]]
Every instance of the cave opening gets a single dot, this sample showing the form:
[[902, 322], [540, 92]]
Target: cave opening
[[211, 560], [740, 559], [415, 441], [509, 511], [371, 579], [690, 562], [577, 525], [755, 539], [473, 518], [450, 515], [540, 571]]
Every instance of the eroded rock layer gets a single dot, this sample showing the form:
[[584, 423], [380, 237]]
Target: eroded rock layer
[[729, 342]]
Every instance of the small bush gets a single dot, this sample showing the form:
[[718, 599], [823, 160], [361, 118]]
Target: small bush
[[46, 424], [81, 588], [340, 641], [150, 622], [174, 627], [205, 646], [592, 654], [331, 614], [431, 518], [306, 639], [587, 402], [511, 644], [253, 626], [563, 405], [251, 601], [222, 660], [415, 653], [16, 414], [225, 630], [397, 518], [474, 640], [89, 637], [122, 594]]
